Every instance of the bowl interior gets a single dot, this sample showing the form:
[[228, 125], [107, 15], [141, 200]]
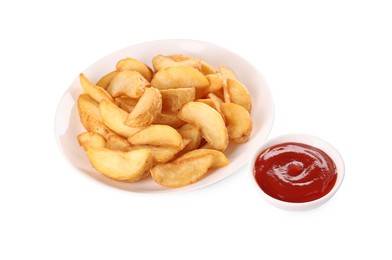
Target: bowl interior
[[68, 126], [309, 140]]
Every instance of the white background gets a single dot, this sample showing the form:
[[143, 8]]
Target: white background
[[328, 64]]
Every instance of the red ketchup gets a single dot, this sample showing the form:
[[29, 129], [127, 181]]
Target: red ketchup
[[295, 172]]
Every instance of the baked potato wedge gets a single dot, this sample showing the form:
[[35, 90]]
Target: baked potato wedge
[[209, 121], [123, 166], [179, 77]]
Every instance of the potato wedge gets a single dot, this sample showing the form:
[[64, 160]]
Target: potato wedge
[[207, 68], [185, 172], [126, 103], [128, 83], [209, 121], [121, 166], [116, 142], [174, 98], [239, 94], [226, 73], [135, 65], [239, 122], [220, 159], [91, 139], [192, 133], [161, 62], [146, 109], [114, 117], [215, 83], [158, 135], [179, 77], [217, 103], [90, 116], [106, 79], [161, 154], [97, 93], [206, 101], [168, 118]]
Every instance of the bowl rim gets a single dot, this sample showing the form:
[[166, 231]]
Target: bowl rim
[[305, 139], [171, 191]]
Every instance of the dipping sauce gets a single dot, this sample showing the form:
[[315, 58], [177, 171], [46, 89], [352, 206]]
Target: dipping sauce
[[295, 172]]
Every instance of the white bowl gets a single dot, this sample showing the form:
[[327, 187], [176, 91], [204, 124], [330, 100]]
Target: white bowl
[[309, 140], [68, 126]]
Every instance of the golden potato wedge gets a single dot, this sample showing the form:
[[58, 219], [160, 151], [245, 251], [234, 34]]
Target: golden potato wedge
[[226, 72], [116, 142], [127, 83], [161, 154], [90, 116], [179, 77], [220, 159], [191, 133], [215, 83], [209, 121], [97, 93], [185, 172], [126, 103], [106, 79], [174, 98], [114, 117], [158, 135], [146, 109], [239, 122], [135, 65], [239, 94], [207, 68], [161, 62], [168, 118], [217, 103], [91, 139], [121, 166], [206, 101]]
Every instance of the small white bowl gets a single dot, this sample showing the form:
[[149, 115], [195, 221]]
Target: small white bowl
[[312, 141]]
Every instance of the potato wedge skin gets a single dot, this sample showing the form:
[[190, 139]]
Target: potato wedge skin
[[239, 94], [185, 172], [135, 65], [239, 122], [90, 116], [209, 121], [179, 77], [174, 99], [121, 166], [114, 118], [220, 159], [105, 80], [146, 109], [158, 135], [97, 93], [127, 83], [91, 139]]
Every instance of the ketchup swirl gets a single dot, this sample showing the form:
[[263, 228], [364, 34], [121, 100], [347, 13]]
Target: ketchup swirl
[[295, 172]]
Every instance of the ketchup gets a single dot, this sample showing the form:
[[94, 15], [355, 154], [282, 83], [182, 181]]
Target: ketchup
[[295, 172]]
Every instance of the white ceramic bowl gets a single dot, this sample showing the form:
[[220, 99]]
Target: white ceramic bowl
[[68, 126], [309, 140]]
